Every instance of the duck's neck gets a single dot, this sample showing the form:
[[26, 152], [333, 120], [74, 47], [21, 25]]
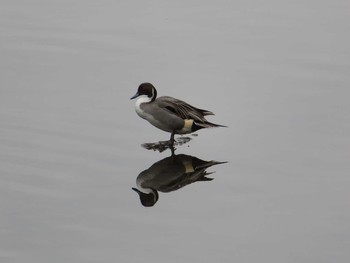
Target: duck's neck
[[143, 99], [140, 100]]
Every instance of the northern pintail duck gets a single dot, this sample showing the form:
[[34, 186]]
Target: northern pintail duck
[[170, 114]]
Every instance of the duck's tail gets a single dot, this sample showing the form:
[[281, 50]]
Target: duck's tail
[[200, 125]]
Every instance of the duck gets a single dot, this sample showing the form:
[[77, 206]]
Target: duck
[[170, 114]]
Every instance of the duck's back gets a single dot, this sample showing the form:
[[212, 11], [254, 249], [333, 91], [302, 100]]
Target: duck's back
[[182, 109]]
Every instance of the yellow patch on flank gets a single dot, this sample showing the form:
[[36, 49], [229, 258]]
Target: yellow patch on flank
[[188, 167], [188, 124]]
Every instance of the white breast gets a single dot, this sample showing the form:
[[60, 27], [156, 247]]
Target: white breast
[[139, 101], [147, 116]]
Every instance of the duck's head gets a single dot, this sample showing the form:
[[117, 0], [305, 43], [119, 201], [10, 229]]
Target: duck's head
[[146, 90]]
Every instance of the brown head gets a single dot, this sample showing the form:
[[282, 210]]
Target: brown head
[[146, 89]]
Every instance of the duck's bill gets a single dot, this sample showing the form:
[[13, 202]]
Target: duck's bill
[[133, 97], [136, 190]]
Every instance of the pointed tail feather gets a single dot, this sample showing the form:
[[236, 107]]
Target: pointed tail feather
[[208, 124], [203, 179]]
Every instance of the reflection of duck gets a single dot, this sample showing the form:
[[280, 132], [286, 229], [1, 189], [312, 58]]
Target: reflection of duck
[[170, 174]]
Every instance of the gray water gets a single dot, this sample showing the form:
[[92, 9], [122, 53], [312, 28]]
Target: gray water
[[276, 72]]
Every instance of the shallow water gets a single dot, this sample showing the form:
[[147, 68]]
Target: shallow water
[[276, 73]]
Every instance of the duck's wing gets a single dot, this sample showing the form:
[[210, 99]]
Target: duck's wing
[[183, 109]]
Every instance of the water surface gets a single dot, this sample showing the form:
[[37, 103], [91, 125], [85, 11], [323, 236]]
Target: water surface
[[276, 73]]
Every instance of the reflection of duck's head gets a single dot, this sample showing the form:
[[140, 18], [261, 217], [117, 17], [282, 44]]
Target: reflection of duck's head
[[148, 197]]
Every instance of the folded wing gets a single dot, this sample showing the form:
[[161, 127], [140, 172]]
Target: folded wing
[[183, 109]]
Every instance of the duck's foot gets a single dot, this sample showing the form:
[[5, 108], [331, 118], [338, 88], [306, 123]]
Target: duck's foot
[[164, 145], [182, 140], [158, 146]]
